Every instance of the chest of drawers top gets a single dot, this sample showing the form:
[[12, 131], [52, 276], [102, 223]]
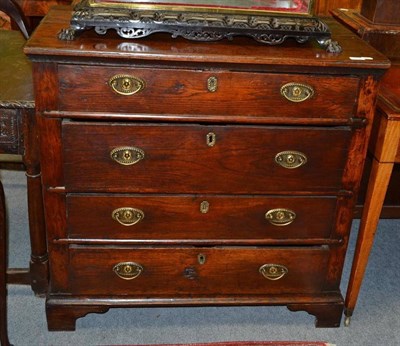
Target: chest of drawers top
[[239, 51], [241, 54]]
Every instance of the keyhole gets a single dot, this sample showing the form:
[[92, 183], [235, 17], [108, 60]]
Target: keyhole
[[201, 258], [212, 84], [204, 207], [211, 139]]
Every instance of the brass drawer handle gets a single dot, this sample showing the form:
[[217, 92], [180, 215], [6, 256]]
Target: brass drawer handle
[[296, 92], [127, 216], [126, 84], [280, 216], [291, 159], [273, 271], [127, 155], [128, 270]]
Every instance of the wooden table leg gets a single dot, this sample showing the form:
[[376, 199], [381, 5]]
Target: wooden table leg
[[377, 186], [39, 257], [3, 266]]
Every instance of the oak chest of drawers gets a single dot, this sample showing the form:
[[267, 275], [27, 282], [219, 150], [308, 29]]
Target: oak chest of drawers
[[180, 174]]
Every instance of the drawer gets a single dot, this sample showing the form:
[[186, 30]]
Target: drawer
[[199, 92], [193, 218], [150, 272], [202, 159]]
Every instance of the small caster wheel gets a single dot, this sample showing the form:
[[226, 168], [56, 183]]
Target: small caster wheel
[[347, 321]]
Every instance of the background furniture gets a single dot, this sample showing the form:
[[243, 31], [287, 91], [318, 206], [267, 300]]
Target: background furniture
[[385, 148], [35, 10], [323, 7], [12, 9], [383, 35], [378, 23], [179, 173], [18, 141]]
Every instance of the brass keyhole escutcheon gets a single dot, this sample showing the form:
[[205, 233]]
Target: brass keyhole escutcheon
[[212, 84], [201, 258], [204, 207], [211, 139]]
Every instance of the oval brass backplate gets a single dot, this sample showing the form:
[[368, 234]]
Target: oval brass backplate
[[296, 92], [126, 84], [127, 216], [273, 271], [291, 159], [280, 216], [128, 270], [127, 155]]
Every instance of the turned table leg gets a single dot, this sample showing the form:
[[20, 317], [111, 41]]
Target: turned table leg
[[39, 257]]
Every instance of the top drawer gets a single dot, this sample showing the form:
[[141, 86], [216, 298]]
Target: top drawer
[[206, 93]]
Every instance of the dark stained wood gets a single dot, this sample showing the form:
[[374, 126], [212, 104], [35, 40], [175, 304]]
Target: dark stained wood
[[381, 11], [323, 7], [18, 276], [3, 266], [35, 10], [63, 317], [39, 8], [383, 37], [81, 121], [185, 92], [242, 160], [229, 218], [327, 315], [165, 269]]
